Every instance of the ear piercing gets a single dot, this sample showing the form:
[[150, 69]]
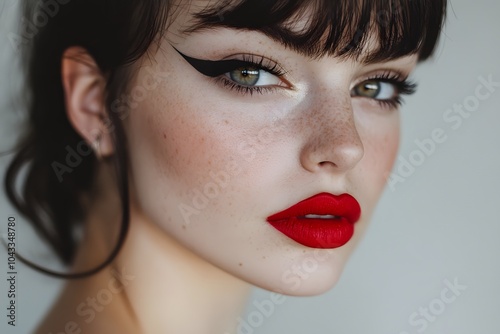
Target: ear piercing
[[97, 145]]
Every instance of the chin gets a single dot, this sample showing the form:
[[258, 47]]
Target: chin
[[306, 274], [314, 284]]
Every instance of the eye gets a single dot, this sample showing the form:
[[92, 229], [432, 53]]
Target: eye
[[252, 76], [377, 90], [249, 74], [385, 89]]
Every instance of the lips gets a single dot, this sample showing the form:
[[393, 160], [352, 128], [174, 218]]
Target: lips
[[321, 221]]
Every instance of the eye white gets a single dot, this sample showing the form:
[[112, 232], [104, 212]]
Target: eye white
[[387, 91], [267, 79]]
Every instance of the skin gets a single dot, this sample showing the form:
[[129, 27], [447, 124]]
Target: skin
[[197, 260]]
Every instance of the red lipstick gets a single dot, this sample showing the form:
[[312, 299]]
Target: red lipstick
[[321, 221]]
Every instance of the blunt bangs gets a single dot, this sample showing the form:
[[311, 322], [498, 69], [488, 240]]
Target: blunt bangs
[[341, 28]]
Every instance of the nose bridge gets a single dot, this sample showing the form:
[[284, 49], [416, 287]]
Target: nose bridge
[[332, 140]]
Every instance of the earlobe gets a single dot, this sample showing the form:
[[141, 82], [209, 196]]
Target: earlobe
[[85, 90]]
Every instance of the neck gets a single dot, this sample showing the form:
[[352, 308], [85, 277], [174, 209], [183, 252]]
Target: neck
[[174, 290]]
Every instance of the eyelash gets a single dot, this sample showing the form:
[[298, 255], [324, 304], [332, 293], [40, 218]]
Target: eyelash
[[225, 82], [404, 86], [259, 62]]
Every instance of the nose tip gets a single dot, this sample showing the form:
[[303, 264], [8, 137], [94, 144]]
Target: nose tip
[[335, 147], [333, 155]]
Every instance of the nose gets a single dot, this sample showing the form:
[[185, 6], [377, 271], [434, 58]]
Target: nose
[[333, 142]]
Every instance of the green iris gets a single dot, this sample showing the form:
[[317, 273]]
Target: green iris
[[245, 76], [369, 89]]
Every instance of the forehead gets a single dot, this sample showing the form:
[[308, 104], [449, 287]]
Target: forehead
[[369, 31]]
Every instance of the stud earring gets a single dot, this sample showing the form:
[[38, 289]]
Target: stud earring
[[97, 145]]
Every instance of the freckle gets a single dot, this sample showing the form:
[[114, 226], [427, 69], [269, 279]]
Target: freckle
[[183, 227], [240, 264], [263, 258]]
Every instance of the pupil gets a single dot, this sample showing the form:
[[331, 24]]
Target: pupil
[[246, 73], [245, 76]]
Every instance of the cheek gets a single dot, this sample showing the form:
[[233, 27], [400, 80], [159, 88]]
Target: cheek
[[381, 154], [185, 151], [380, 136], [173, 148]]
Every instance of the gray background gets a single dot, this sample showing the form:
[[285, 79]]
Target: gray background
[[441, 224]]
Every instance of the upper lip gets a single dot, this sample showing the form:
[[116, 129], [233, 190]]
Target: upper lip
[[343, 205]]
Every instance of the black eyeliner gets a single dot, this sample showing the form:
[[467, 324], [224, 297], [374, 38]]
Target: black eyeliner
[[212, 68], [215, 68]]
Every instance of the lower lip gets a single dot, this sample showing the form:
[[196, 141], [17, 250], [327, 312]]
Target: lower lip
[[316, 233]]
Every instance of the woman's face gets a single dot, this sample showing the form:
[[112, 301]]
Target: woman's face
[[213, 157]]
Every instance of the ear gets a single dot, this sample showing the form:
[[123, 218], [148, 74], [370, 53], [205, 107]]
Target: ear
[[84, 86]]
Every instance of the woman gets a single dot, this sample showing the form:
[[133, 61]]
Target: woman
[[235, 143]]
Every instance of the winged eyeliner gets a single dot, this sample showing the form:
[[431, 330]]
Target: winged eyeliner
[[214, 68]]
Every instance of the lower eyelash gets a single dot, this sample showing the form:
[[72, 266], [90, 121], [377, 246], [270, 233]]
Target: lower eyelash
[[404, 87], [243, 89], [391, 104]]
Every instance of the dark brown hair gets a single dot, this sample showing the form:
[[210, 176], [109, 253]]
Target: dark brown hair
[[119, 32]]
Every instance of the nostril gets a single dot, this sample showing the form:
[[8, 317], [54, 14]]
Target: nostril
[[327, 163], [327, 166]]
